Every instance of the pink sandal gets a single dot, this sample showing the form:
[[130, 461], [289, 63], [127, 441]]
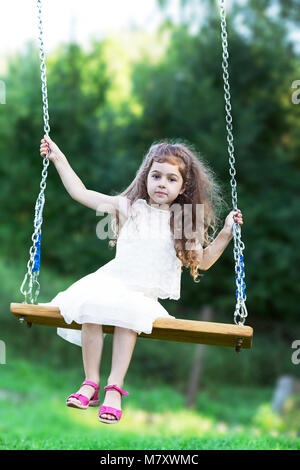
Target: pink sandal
[[109, 409], [85, 401]]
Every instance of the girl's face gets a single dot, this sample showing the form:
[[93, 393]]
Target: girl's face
[[164, 183]]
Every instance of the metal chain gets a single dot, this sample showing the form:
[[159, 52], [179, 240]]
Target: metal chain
[[30, 287], [240, 310]]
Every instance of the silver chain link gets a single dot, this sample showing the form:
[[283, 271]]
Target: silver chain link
[[240, 309], [30, 287]]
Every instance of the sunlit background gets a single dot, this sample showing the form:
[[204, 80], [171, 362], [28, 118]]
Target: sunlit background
[[121, 75], [77, 21]]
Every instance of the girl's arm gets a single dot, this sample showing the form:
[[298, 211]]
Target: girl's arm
[[70, 180], [92, 199], [74, 185], [209, 255], [213, 251]]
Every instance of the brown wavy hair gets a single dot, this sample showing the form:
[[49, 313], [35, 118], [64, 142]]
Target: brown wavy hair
[[201, 187]]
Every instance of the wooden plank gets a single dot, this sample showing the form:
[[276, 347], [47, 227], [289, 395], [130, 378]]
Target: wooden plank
[[169, 329]]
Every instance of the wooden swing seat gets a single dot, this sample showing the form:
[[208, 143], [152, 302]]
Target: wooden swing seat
[[188, 331]]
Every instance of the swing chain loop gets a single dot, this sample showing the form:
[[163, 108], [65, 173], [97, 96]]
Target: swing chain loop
[[31, 291], [240, 313]]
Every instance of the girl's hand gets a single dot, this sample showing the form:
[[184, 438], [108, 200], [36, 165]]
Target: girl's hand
[[233, 216], [50, 149]]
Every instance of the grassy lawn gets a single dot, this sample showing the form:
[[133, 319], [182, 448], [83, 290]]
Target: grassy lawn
[[34, 416]]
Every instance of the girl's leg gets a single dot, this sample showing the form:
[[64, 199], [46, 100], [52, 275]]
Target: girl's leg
[[123, 345], [92, 344]]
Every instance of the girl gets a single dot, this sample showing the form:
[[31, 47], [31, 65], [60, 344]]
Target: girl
[[150, 252]]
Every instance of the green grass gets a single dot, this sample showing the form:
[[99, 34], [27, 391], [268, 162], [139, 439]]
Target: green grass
[[34, 416]]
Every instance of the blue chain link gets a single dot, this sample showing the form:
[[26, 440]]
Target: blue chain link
[[37, 257]]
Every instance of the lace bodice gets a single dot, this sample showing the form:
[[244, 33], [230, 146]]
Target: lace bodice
[[145, 253]]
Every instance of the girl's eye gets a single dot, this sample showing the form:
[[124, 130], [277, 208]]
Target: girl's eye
[[171, 179]]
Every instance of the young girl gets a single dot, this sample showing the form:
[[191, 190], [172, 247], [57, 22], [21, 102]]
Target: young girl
[[150, 252]]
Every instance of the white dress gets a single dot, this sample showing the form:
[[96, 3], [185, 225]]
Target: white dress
[[125, 291]]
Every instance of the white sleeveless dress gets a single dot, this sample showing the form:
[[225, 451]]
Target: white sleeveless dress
[[125, 291]]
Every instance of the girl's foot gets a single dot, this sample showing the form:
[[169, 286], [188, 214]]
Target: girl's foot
[[86, 390], [112, 398]]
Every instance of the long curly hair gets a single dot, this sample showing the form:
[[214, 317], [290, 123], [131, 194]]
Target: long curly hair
[[201, 187]]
